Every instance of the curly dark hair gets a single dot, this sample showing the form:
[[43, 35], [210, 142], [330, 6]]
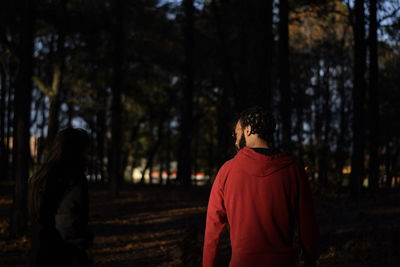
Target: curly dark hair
[[260, 121]]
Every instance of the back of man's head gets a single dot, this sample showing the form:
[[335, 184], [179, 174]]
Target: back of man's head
[[260, 121]]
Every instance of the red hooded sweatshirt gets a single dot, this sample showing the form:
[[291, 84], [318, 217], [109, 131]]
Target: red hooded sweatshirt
[[261, 197]]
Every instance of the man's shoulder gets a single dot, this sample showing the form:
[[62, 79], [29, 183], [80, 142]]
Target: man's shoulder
[[228, 163], [225, 168]]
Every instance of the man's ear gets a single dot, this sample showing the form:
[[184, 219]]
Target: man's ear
[[247, 130]]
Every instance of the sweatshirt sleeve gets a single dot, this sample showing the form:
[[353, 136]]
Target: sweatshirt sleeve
[[308, 228], [216, 219]]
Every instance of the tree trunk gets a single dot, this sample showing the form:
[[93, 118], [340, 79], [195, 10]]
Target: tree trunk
[[391, 154], [373, 98], [300, 122], [91, 166], [116, 106], [3, 150], [184, 152], [10, 120], [224, 129], [230, 80], [101, 139], [168, 153], [195, 156], [35, 120], [53, 122], [134, 133], [318, 122], [264, 48], [357, 160], [229, 90], [23, 97], [161, 167], [41, 127], [211, 157], [324, 155], [56, 87], [387, 161], [153, 151], [341, 154], [245, 81], [70, 112], [284, 72]]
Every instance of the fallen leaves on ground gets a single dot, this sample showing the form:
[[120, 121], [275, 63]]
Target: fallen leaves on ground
[[164, 226]]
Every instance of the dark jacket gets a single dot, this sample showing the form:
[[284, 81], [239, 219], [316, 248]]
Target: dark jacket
[[261, 197], [71, 219], [61, 228]]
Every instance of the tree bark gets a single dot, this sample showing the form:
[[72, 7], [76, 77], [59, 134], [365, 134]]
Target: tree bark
[[10, 119], [186, 125], [300, 97], [318, 121], [23, 95], [265, 48], [3, 150], [116, 106], [324, 154], [373, 98], [341, 151], [153, 151], [54, 91], [168, 153], [230, 78], [54, 109], [224, 129], [284, 72], [357, 159], [101, 139]]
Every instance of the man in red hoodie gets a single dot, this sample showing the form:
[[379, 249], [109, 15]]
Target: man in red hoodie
[[264, 196]]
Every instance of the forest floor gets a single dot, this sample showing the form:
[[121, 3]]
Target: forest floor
[[163, 226]]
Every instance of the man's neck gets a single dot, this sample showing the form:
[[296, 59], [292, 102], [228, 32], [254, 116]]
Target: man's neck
[[259, 144]]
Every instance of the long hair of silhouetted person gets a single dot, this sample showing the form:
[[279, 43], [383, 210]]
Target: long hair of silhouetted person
[[66, 156]]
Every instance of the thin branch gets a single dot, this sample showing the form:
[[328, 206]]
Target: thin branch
[[55, 86], [42, 87], [389, 16]]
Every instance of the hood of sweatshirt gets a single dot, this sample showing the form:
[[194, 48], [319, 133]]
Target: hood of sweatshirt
[[259, 165]]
